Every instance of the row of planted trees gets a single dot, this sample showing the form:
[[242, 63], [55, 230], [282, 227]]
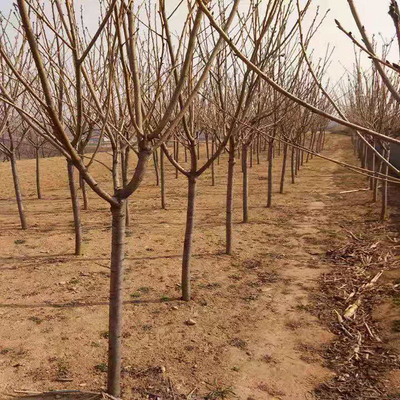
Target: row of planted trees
[[236, 78]]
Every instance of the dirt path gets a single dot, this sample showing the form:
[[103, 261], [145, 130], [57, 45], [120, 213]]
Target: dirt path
[[253, 330], [286, 339]]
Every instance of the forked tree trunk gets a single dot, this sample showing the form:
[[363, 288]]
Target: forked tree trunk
[[229, 196], [38, 186], [17, 188], [187, 247], [162, 179], [75, 208], [115, 169], [270, 165], [285, 151], [245, 183], [116, 299]]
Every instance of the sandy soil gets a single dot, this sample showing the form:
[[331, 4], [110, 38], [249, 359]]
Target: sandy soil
[[253, 335]]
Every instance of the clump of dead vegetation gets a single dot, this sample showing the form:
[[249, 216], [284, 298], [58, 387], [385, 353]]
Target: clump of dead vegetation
[[348, 294]]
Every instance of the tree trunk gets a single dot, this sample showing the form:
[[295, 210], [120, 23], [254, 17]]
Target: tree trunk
[[84, 195], [270, 165], [207, 147], [155, 161], [293, 164], [245, 184], [372, 168], [38, 186], [285, 151], [162, 179], [213, 164], [229, 196], [310, 156], [378, 168], [187, 247], [385, 187], [82, 185], [17, 188], [126, 172], [177, 159], [75, 209], [116, 299]]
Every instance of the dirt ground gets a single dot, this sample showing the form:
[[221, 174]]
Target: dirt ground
[[254, 338]]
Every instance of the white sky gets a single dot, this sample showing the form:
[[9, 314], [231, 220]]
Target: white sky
[[373, 14]]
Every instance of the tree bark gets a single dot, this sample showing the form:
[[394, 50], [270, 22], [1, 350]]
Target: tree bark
[[125, 169], [156, 168], [293, 164], [229, 196], [127, 202], [270, 165], [285, 151], [162, 179], [187, 247], [245, 184], [84, 195], [75, 209], [17, 189], [385, 188], [38, 186], [212, 165], [116, 299], [177, 158], [207, 147]]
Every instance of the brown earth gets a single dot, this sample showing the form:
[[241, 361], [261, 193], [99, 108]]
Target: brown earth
[[254, 334]]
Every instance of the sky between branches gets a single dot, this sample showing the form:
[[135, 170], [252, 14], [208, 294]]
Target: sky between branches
[[373, 13]]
